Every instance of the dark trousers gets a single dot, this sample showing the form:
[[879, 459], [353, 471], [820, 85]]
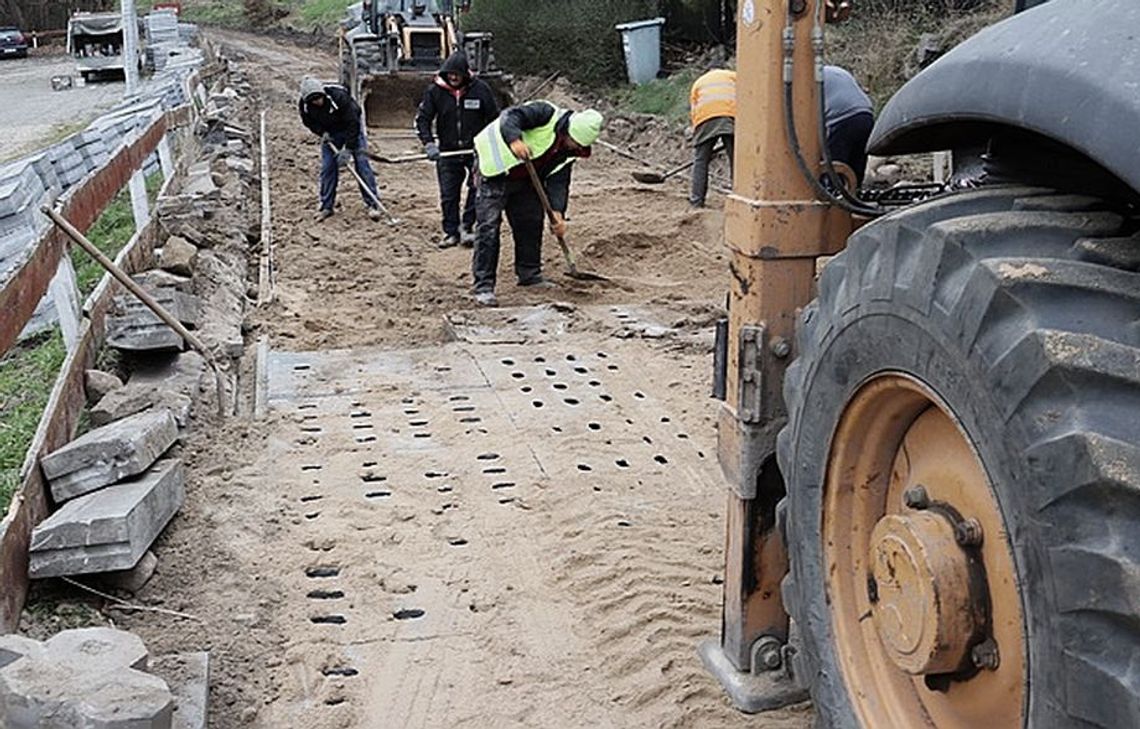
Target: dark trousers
[[702, 156], [330, 172], [847, 142], [455, 174], [524, 212]]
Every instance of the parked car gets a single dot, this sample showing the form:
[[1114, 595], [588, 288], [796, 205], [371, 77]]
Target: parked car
[[13, 43]]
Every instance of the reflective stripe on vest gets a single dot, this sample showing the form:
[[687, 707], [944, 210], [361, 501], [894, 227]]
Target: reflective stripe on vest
[[495, 156], [713, 95]]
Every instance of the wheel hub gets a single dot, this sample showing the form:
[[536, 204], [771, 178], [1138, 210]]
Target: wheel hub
[[921, 601]]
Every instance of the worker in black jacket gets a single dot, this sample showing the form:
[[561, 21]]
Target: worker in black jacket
[[460, 105], [329, 111]]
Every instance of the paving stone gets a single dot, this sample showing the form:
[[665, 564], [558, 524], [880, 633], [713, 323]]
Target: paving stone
[[134, 579], [172, 383], [110, 529], [157, 278], [107, 454], [97, 649], [134, 327], [14, 647], [178, 256], [188, 676], [98, 383]]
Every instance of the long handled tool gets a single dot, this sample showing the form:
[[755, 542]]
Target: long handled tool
[[121, 276], [375, 198], [656, 178], [566, 252], [421, 157]]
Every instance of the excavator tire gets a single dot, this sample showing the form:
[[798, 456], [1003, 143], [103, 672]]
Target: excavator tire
[[1004, 324]]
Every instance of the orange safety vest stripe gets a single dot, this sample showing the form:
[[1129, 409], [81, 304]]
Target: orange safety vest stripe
[[713, 95]]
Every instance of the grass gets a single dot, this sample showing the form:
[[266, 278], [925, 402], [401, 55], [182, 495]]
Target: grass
[[322, 13], [665, 97], [214, 12], [109, 234], [27, 373]]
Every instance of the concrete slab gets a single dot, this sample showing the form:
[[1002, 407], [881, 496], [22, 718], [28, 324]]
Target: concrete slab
[[14, 647], [98, 649], [134, 327], [105, 455], [166, 383], [135, 578], [110, 529], [188, 676]]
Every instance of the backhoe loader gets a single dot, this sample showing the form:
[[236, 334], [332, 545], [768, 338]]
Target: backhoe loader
[[932, 451]]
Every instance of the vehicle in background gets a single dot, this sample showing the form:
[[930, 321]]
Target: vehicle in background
[[95, 41], [13, 43]]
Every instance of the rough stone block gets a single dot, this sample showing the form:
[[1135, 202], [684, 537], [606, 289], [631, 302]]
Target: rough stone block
[[137, 328], [98, 384], [14, 647], [178, 256], [188, 676], [108, 530], [134, 579], [105, 455], [98, 649], [172, 384], [158, 279]]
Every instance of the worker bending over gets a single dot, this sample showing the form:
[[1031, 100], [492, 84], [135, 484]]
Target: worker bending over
[[329, 111], [712, 109], [552, 139], [460, 105], [849, 118]]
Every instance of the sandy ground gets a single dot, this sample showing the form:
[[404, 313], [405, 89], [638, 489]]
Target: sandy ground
[[522, 527], [34, 114]]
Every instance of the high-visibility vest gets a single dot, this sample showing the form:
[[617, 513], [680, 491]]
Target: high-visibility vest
[[713, 95], [495, 155]]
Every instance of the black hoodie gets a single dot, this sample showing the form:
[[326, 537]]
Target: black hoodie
[[459, 113]]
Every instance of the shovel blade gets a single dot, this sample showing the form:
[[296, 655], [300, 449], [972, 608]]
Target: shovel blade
[[649, 178]]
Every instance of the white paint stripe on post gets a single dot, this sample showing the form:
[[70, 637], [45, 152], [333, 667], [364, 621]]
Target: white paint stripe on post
[[64, 292], [165, 157], [140, 206]]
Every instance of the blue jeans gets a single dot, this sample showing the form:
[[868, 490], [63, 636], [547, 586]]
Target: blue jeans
[[330, 173]]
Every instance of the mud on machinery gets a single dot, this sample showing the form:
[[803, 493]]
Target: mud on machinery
[[390, 49], [933, 452]]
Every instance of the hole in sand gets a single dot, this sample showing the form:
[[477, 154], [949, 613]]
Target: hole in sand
[[624, 523], [551, 373], [361, 414], [463, 409], [365, 439], [594, 383], [540, 359], [408, 614], [328, 619], [646, 438], [622, 463], [639, 395], [556, 428], [368, 464], [335, 701], [434, 474], [683, 436], [417, 423], [526, 388], [472, 419], [571, 358], [411, 411], [325, 594], [446, 488], [373, 478], [361, 426], [307, 406], [311, 429], [581, 370], [602, 355], [664, 418], [418, 435], [496, 469], [612, 367], [340, 671]]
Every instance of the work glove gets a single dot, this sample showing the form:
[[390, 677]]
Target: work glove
[[344, 158], [558, 225], [432, 151], [519, 149]]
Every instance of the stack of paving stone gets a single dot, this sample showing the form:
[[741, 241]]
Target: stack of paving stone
[[99, 678], [116, 492], [21, 224], [135, 328]]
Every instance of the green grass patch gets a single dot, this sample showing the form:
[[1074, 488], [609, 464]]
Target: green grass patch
[[322, 13], [109, 234], [27, 373], [214, 12], [665, 97]]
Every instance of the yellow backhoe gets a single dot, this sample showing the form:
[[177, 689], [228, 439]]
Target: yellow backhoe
[[932, 449]]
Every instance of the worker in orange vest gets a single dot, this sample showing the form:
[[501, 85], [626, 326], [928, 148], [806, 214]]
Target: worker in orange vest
[[712, 108]]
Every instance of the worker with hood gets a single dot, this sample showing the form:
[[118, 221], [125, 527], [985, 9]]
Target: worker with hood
[[551, 139], [328, 110], [460, 106]]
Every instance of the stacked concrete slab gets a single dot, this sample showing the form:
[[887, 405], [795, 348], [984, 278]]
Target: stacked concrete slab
[[99, 678], [135, 328]]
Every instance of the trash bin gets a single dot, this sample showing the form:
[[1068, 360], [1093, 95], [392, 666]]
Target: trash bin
[[641, 41]]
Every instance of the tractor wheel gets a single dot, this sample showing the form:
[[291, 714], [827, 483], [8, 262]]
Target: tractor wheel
[[962, 459]]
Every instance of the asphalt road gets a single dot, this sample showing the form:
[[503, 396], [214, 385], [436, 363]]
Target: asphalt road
[[32, 115]]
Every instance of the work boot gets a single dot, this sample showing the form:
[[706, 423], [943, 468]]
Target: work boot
[[538, 283], [486, 298], [449, 241], [323, 214], [375, 215], [467, 237]]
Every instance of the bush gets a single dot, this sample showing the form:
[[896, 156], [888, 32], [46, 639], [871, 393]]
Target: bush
[[576, 37]]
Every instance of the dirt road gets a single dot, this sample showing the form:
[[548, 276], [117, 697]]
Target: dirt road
[[507, 518]]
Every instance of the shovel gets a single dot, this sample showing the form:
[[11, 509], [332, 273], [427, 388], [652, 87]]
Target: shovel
[[352, 168], [656, 178], [417, 157], [566, 252]]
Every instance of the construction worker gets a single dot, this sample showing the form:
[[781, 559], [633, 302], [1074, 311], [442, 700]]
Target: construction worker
[[552, 139], [328, 110], [712, 109], [461, 106], [849, 119]]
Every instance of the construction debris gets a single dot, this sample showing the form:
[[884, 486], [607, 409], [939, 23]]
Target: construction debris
[[137, 328], [171, 383], [178, 255], [99, 384], [110, 529], [105, 455]]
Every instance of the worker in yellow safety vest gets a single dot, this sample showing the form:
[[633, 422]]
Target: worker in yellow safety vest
[[712, 108], [552, 139]]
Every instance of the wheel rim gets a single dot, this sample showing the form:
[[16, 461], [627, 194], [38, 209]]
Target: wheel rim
[[913, 594]]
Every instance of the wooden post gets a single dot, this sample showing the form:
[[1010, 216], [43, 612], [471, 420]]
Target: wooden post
[[140, 206]]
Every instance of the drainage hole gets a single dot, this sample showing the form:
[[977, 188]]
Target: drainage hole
[[584, 467], [418, 435], [683, 436], [458, 398], [639, 395], [503, 485], [457, 542], [496, 469], [314, 497], [556, 428], [700, 454], [408, 614], [612, 367], [434, 474], [487, 457], [312, 467], [312, 515], [340, 671], [411, 411], [310, 429], [463, 409], [594, 426], [537, 403], [540, 359], [559, 385], [660, 459], [373, 478], [471, 419], [446, 488], [581, 370], [366, 439], [624, 523], [594, 383], [301, 367], [606, 398], [622, 463], [507, 500], [335, 701], [329, 619], [418, 423], [518, 375], [325, 594], [602, 355], [508, 363], [551, 373], [361, 426], [360, 414], [322, 571], [571, 401], [646, 438], [368, 464], [307, 406], [664, 418], [377, 494]]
